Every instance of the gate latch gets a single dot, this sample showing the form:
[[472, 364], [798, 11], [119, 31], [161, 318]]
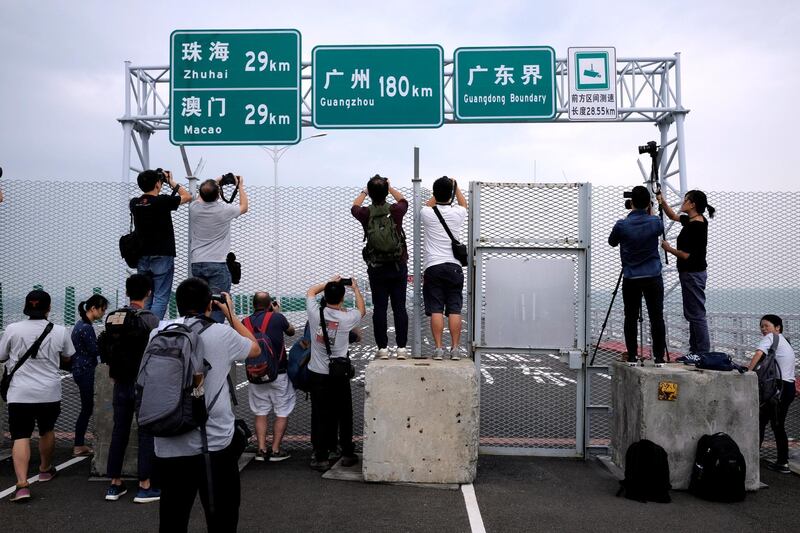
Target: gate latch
[[574, 358]]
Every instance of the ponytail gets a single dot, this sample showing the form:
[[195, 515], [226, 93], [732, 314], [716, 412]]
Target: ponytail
[[95, 301], [82, 311]]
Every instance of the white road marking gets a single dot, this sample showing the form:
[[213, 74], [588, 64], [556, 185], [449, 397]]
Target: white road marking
[[35, 478], [473, 511]]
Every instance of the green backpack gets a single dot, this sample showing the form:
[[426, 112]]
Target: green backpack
[[384, 242]]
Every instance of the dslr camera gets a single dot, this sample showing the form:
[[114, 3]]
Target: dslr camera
[[650, 148], [628, 195], [162, 175], [217, 297], [228, 179]]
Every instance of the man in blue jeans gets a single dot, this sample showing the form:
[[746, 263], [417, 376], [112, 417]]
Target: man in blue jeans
[[211, 236], [152, 218], [637, 236], [124, 340]]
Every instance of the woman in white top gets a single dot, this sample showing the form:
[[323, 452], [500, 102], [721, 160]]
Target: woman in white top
[[776, 415]]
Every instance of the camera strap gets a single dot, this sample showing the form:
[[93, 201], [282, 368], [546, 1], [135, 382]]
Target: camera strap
[[444, 224], [324, 327]]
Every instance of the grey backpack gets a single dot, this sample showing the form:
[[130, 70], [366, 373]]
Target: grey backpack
[[770, 379], [170, 398]]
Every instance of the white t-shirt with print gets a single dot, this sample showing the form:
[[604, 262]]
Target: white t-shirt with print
[[784, 354], [437, 244], [339, 324], [37, 380]]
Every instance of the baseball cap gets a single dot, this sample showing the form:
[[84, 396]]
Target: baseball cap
[[37, 304]]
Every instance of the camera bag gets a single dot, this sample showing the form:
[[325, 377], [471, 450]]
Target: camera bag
[[130, 247], [646, 473], [459, 250], [338, 367], [719, 469]]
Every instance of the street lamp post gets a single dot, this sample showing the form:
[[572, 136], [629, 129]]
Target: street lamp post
[[276, 153]]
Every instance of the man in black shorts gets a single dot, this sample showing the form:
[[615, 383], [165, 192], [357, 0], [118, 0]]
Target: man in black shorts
[[443, 279]]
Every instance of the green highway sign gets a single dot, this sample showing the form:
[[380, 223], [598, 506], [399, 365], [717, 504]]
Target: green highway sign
[[504, 83], [377, 86], [235, 87]]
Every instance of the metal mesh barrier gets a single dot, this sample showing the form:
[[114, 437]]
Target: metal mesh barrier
[[63, 236]]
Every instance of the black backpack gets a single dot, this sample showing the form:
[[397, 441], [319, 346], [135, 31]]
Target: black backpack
[[770, 379], [646, 473], [122, 343], [719, 469]]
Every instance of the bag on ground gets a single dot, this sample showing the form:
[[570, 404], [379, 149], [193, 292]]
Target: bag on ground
[[719, 469], [770, 379], [170, 395], [384, 242], [263, 368], [646, 473]]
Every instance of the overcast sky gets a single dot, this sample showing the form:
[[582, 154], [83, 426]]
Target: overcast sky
[[61, 89]]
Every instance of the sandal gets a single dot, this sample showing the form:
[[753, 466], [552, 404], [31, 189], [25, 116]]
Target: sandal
[[48, 475], [22, 494]]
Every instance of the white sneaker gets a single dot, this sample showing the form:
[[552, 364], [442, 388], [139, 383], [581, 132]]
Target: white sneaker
[[438, 354], [382, 353], [455, 353], [401, 353]]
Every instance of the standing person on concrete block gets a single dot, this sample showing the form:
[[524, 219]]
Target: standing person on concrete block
[[443, 277], [181, 464], [279, 395], [211, 235], [83, 365], [637, 237], [123, 343], [330, 371], [775, 414], [152, 218], [386, 256], [32, 350], [691, 264]]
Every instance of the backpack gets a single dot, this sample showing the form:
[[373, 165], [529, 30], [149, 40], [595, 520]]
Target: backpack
[[263, 368], [170, 397], [646, 473], [297, 364], [716, 361], [770, 379], [384, 242], [122, 343], [719, 469]]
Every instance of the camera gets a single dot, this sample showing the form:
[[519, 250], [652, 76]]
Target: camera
[[347, 282], [649, 148], [228, 179], [217, 297], [162, 175], [628, 195]]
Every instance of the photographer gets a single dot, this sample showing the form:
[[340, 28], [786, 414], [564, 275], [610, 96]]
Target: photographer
[[330, 371], [386, 256], [181, 465], [152, 218], [211, 235], [443, 275], [691, 263], [637, 236]]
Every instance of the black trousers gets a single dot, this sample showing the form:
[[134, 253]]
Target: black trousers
[[183, 477], [776, 416], [389, 281], [653, 291], [331, 411]]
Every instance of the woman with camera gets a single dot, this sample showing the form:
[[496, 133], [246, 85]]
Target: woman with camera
[[83, 364], [691, 264]]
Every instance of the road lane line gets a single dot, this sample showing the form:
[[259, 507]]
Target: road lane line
[[473, 512], [35, 478]]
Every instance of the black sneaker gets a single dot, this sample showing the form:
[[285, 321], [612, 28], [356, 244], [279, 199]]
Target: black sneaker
[[780, 468], [280, 455], [263, 455], [319, 466], [114, 492], [349, 460]]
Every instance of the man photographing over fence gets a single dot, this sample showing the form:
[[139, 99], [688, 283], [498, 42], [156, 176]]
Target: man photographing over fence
[[211, 235], [637, 236]]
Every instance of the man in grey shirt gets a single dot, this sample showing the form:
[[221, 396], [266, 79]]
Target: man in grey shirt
[[211, 236]]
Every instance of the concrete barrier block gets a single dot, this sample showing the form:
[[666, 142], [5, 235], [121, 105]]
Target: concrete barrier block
[[421, 421], [705, 402], [104, 425]]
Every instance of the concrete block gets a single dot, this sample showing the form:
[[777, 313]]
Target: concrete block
[[706, 402], [104, 425], [421, 421]]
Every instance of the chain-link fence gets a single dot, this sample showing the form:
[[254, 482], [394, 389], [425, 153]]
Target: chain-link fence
[[63, 236]]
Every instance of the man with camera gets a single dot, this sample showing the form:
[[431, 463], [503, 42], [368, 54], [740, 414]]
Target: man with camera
[[32, 350], [211, 233], [443, 278], [387, 257], [330, 371], [637, 236], [278, 395], [152, 218], [181, 465]]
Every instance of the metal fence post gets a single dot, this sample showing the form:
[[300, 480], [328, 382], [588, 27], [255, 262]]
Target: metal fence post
[[416, 350]]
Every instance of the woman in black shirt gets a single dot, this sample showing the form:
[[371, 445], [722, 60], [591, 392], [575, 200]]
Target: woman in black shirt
[[691, 263]]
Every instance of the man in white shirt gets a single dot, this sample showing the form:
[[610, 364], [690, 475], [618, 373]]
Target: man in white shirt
[[211, 235], [34, 395], [443, 278]]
